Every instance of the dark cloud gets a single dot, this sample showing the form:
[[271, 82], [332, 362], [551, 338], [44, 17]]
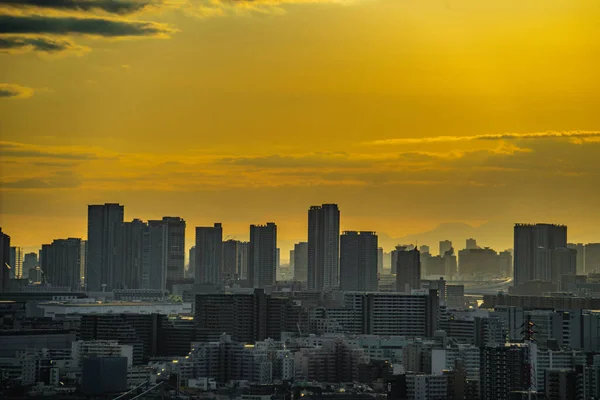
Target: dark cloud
[[9, 90], [61, 180], [36, 24], [42, 44], [110, 6], [11, 150]]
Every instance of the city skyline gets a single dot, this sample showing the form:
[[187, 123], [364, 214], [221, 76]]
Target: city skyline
[[282, 116]]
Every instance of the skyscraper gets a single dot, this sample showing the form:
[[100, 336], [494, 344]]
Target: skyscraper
[[133, 251], [533, 244], [323, 246], [394, 255], [592, 258], [445, 245], [301, 261], [104, 223], [380, 260], [358, 261], [230, 259], [408, 270], [262, 255], [16, 262], [4, 260], [30, 261], [243, 257], [166, 252], [61, 263], [192, 263], [580, 248], [564, 263], [471, 244], [209, 252]]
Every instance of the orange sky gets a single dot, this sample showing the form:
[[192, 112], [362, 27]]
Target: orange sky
[[407, 114]]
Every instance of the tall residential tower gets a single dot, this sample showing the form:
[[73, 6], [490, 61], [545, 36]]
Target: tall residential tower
[[323, 247]]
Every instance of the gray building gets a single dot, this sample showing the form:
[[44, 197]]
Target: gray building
[[4, 260], [323, 247], [580, 248], [16, 262], [230, 259], [192, 263], [166, 251], [104, 223], [358, 261], [262, 255], [301, 261], [445, 245], [592, 258], [61, 263], [408, 270], [209, 252], [133, 255], [30, 261], [243, 257], [533, 244]]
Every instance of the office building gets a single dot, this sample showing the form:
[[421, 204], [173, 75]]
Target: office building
[[408, 270], [394, 255], [504, 369], [30, 261], [132, 251], [592, 258], [445, 246], [262, 255], [380, 260], [104, 223], [563, 263], [230, 259], [82, 349], [358, 261], [16, 262], [323, 247], [209, 253], [533, 244], [4, 260], [301, 261], [61, 263]]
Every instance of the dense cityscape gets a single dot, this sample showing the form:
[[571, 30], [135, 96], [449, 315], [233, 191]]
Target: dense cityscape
[[125, 313]]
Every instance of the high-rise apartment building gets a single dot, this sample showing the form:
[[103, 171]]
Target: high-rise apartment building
[[323, 247], [533, 245], [104, 224], [380, 260], [230, 259], [408, 270], [301, 261], [471, 244], [243, 257], [30, 261], [358, 261], [563, 263], [209, 252], [394, 255], [83, 262], [16, 262], [445, 246], [191, 263], [4, 260], [133, 255], [61, 263], [580, 249], [262, 255], [592, 258], [166, 251]]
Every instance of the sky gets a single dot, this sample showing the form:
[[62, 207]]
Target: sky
[[413, 116]]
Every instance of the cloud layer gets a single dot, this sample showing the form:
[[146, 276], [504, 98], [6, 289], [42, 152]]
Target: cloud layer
[[9, 90], [576, 136]]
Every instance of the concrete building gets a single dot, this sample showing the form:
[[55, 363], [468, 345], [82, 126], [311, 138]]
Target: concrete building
[[471, 244], [63, 309], [104, 223], [4, 260], [61, 263], [580, 249], [563, 263], [262, 255], [82, 349], [301, 261], [166, 252], [379, 260], [445, 246], [592, 258], [209, 253], [133, 260], [243, 259], [504, 369], [230, 259], [408, 270], [323, 247], [30, 261], [426, 387], [358, 261], [16, 262], [191, 271], [532, 246]]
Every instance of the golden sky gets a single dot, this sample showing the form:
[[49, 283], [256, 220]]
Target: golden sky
[[408, 114]]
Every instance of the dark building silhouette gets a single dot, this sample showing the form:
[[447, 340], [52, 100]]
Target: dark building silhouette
[[533, 244], [408, 270], [4, 260], [243, 257], [323, 247], [592, 258], [103, 375], [394, 256], [61, 263], [358, 261], [504, 369], [209, 252], [230, 259], [166, 241], [30, 261], [301, 261], [262, 255], [104, 223], [133, 254]]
